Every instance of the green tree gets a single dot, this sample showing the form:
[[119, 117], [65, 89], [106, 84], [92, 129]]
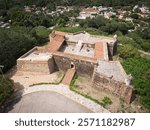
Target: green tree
[[146, 46], [140, 70], [6, 88], [134, 15], [128, 51], [17, 15], [100, 21], [129, 25], [51, 6], [12, 45], [123, 28], [41, 34], [110, 28]]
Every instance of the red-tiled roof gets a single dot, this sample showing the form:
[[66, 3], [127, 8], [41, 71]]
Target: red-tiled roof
[[99, 51], [56, 42]]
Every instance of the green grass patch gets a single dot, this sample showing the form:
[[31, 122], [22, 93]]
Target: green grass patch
[[73, 87], [70, 29], [91, 31], [106, 101], [51, 83], [42, 32]]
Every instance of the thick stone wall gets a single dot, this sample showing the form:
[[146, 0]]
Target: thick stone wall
[[82, 67], [116, 87], [51, 65], [44, 67], [112, 48]]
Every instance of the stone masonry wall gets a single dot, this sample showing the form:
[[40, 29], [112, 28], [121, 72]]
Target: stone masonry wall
[[82, 67], [44, 67], [112, 48], [118, 88]]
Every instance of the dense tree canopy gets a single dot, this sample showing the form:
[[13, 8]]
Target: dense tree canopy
[[128, 51], [12, 45], [5, 4], [140, 70], [6, 88]]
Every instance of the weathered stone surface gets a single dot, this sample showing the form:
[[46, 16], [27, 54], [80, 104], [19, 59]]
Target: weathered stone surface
[[42, 66], [116, 87], [81, 67]]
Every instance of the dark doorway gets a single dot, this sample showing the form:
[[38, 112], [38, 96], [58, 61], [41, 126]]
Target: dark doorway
[[72, 65]]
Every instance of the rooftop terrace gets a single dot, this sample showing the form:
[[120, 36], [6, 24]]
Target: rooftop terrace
[[112, 69], [87, 38]]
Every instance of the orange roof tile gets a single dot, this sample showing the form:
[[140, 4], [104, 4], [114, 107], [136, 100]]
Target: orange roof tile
[[99, 51], [56, 42]]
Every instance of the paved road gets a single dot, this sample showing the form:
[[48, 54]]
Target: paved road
[[46, 101]]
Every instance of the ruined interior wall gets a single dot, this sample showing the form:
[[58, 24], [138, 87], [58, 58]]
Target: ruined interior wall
[[112, 48], [83, 68], [115, 47], [84, 44], [116, 87], [71, 43]]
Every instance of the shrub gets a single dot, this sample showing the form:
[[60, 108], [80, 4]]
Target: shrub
[[41, 34], [128, 51], [146, 46], [106, 101], [6, 88]]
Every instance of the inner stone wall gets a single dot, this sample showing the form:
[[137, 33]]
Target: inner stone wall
[[82, 67], [84, 44], [116, 87], [112, 48]]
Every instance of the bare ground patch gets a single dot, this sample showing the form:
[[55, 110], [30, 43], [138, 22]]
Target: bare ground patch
[[27, 79], [84, 86]]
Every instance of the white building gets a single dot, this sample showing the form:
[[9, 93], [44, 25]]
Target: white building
[[88, 12]]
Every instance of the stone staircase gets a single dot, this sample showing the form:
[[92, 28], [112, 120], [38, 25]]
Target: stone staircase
[[68, 76]]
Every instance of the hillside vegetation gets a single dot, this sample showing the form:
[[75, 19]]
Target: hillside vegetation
[[6, 88]]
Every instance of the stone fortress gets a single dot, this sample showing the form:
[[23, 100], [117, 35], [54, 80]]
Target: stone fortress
[[82, 54]]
